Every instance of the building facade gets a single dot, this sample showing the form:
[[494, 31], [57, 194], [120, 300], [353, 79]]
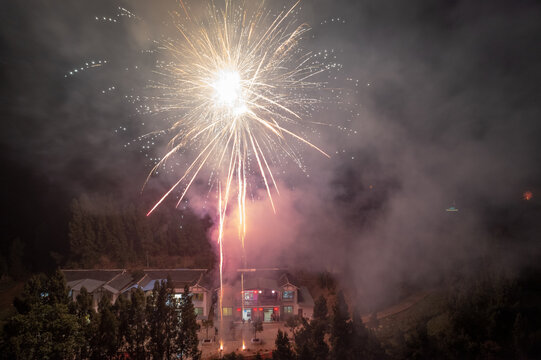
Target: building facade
[[266, 295]]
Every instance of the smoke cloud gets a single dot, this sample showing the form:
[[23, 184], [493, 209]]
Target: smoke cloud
[[442, 110]]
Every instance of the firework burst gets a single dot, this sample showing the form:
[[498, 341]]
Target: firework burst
[[236, 83]]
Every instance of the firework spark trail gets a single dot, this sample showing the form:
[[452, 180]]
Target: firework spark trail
[[237, 82]]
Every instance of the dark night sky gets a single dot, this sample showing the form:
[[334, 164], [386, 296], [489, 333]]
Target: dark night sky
[[452, 113]]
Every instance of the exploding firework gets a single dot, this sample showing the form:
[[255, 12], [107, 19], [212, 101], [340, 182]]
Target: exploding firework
[[237, 84]]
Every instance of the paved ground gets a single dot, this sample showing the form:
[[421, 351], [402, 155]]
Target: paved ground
[[233, 340]]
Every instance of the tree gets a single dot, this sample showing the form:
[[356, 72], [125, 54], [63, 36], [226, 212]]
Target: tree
[[233, 356], [105, 342], [86, 317], [341, 330], [364, 343], [310, 340], [207, 324], [320, 309], [44, 327], [163, 320], [84, 248], [137, 333], [283, 347], [257, 326], [187, 341], [121, 307]]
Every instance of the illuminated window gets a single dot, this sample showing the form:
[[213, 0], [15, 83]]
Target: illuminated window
[[197, 297], [288, 309], [198, 311], [227, 311], [288, 295]]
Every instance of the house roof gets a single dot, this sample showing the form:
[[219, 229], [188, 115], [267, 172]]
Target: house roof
[[101, 275], [287, 279], [268, 279], [120, 281], [179, 277], [304, 297], [89, 284]]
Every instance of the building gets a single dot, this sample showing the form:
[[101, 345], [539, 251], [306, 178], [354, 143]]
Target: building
[[98, 283], [121, 282], [268, 295]]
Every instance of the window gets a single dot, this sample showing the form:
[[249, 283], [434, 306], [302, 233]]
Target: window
[[198, 311], [227, 311], [288, 295], [197, 296], [288, 309]]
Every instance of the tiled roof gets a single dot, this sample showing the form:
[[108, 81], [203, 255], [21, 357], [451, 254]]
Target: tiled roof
[[89, 284], [179, 277], [121, 280]]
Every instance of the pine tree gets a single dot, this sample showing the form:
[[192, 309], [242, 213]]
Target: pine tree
[[105, 340], [86, 317], [320, 309], [283, 347], [162, 320], [82, 235], [44, 327], [341, 332], [137, 333], [187, 341], [121, 307], [365, 345]]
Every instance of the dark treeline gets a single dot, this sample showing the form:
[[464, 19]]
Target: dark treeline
[[49, 325], [486, 316], [489, 317], [341, 335], [105, 232]]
